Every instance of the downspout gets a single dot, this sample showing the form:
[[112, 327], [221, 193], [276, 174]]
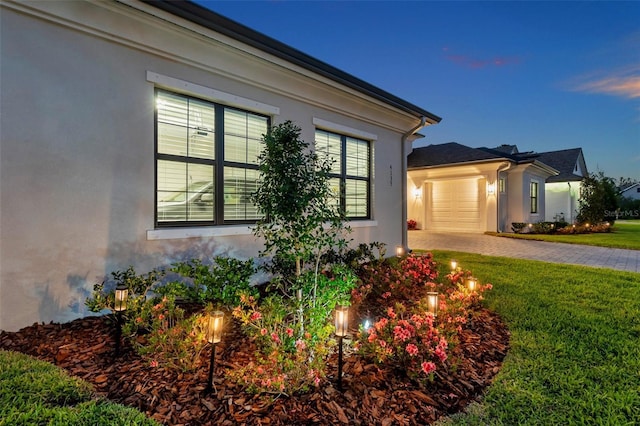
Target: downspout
[[403, 179], [500, 169]]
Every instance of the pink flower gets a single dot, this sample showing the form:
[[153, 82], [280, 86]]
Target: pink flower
[[275, 337], [290, 332], [160, 317], [154, 363], [138, 320], [381, 324], [372, 336], [263, 332], [300, 345], [441, 354], [386, 295], [488, 286], [412, 349], [390, 313], [382, 343], [428, 367], [256, 316]]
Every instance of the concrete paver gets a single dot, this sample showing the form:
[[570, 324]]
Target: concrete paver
[[602, 257]]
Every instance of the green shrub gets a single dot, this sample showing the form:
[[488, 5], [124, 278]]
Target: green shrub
[[518, 227]]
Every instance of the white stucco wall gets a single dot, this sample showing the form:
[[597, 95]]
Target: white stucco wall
[[561, 199], [77, 146]]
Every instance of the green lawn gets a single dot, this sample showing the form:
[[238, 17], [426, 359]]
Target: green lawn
[[575, 344], [34, 392], [625, 235]]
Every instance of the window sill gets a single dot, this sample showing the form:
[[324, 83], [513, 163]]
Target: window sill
[[224, 231], [200, 232]]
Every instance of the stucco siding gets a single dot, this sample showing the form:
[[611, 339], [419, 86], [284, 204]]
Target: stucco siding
[[77, 146]]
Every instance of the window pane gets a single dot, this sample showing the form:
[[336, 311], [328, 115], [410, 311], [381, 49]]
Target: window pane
[[185, 126], [357, 158], [185, 191], [329, 145], [239, 184], [335, 191], [356, 198], [243, 135]]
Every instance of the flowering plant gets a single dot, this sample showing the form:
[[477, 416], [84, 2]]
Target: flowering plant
[[412, 224], [406, 341], [290, 358], [174, 341]]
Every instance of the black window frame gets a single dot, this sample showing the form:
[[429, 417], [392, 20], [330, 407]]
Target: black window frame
[[218, 162], [534, 188], [343, 176]]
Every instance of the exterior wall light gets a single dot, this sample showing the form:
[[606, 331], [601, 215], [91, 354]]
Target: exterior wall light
[[491, 188], [417, 193], [214, 336], [342, 324], [432, 303]]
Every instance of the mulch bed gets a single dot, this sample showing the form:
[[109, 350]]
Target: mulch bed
[[370, 396]]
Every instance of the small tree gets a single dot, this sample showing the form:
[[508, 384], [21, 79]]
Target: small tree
[[598, 200], [300, 221]]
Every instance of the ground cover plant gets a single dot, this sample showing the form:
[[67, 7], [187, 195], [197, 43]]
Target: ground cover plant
[[37, 392], [574, 355], [624, 235]]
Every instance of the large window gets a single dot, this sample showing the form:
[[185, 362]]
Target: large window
[[534, 196], [350, 173], [206, 161]]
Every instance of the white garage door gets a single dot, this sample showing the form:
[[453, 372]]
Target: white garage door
[[455, 206]]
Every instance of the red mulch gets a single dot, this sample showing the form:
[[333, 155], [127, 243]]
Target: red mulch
[[370, 396]]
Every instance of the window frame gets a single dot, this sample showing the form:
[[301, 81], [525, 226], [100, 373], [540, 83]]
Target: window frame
[[343, 176], [219, 163], [534, 196]]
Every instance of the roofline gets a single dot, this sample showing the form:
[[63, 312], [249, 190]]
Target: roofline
[[206, 18], [465, 163]]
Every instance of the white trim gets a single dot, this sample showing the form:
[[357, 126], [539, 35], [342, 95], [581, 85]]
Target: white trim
[[211, 94], [225, 231], [213, 231], [345, 130]]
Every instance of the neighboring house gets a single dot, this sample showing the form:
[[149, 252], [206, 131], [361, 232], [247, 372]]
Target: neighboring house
[[631, 191], [456, 188], [130, 133], [562, 191]]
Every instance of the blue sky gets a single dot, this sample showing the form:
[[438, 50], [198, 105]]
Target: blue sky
[[541, 75]]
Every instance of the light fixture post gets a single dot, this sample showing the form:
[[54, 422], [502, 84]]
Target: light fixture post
[[119, 305], [342, 323], [432, 303], [214, 335]]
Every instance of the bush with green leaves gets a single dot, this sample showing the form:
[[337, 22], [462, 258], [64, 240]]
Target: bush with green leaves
[[292, 334], [219, 283]]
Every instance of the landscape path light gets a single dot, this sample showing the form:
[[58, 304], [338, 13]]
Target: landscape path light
[[399, 251], [432, 303], [454, 265], [472, 284], [119, 305], [342, 324], [214, 336]]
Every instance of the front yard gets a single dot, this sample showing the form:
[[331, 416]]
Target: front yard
[[574, 355], [574, 358]]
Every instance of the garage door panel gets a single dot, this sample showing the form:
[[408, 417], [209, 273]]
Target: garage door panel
[[455, 206]]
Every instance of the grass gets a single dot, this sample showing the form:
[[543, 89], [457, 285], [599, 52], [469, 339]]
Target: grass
[[625, 235], [575, 352], [34, 392]]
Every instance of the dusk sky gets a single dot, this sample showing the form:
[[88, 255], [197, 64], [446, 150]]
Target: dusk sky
[[540, 75]]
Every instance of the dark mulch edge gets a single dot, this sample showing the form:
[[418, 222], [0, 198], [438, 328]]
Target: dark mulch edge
[[370, 396]]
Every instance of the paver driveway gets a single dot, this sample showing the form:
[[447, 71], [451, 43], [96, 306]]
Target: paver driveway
[[624, 260]]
